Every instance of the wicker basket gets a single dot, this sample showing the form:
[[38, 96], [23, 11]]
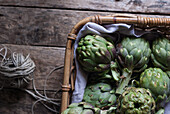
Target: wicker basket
[[162, 24]]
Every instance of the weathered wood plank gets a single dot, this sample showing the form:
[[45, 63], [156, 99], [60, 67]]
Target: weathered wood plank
[[142, 6], [29, 26], [14, 101], [18, 102], [46, 59], [34, 26]]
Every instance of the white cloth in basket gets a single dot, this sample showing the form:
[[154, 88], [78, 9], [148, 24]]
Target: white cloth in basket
[[105, 30]]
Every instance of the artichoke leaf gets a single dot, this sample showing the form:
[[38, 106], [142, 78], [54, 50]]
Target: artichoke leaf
[[115, 75], [162, 53], [87, 111], [143, 68], [156, 63], [124, 52], [142, 61], [129, 61], [137, 54]]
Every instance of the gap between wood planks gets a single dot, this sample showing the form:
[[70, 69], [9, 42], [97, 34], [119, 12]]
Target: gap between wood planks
[[40, 27], [88, 10], [40, 90]]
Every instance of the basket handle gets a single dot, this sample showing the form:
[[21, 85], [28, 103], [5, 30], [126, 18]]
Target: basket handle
[[153, 21], [122, 18], [131, 19]]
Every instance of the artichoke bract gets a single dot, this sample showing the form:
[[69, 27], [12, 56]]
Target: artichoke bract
[[161, 111], [136, 101], [101, 95], [81, 108], [106, 76], [133, 55], [161, 53], [156, 81], [96, 54]]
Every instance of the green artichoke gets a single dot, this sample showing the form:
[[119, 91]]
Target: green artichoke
[[136, 101], [96, 54], [156, 81], [133, 55], [161, 53], [81, 108], [101, 95]]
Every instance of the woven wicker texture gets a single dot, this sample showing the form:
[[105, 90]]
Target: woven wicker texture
[[162, 24]]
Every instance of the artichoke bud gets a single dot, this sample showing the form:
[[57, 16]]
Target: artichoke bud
[[134, 52], [156, 80], [81, 108], [133, 56], [104, 95], [95, 53], [136, 100], [161, 53]]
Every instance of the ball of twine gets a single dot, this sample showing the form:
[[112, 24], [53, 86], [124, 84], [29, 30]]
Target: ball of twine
[[15, 69]]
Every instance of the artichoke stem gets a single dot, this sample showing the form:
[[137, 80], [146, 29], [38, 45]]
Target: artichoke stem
[[124, 82]]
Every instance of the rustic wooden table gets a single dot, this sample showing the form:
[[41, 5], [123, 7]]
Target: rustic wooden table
[[40, 27]]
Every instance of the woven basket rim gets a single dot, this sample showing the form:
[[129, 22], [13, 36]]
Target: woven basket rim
[[110, 19]]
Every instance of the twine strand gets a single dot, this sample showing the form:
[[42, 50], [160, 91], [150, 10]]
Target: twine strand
[[17, 70], [44, 98]]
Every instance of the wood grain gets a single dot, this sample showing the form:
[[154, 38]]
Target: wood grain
[[141, 6], [46, 23], [13, 101], [18, 102], [40, 27], [46, 59], [45, 27]]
